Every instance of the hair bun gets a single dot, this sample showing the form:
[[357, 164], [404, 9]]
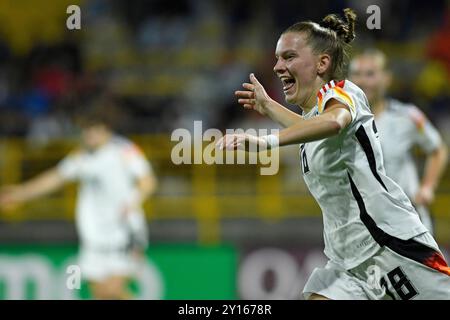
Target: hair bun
[[344, 30]]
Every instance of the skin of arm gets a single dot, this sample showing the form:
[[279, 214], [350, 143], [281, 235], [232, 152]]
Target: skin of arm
[[45, 183], [281, 115], [146, 186], [335, 118], [435, 165], [332, 121]]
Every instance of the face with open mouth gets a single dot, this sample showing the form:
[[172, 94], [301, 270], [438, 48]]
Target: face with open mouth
[[296, 67]]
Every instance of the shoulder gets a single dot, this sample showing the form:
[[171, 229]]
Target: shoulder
[[342, 91], [125, 146], [351, 88], [343, 88], [76, 153], [397, 106], [407, 111]]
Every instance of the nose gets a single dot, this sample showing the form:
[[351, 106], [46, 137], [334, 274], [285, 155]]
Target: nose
[[279, 67]]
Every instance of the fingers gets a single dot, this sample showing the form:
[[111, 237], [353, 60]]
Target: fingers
[[247, 101], [246, 98], [219, 143], [225, 141], [253, 80], [253, 95], [419, 202], [244, 94], [229, 142], [248, 86], [424, 196]]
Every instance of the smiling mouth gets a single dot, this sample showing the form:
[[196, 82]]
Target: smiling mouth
[[288, 83]]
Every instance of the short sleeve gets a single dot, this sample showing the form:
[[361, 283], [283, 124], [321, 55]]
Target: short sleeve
[[425, 135], [336, 91], [136, 162], [69, 167]]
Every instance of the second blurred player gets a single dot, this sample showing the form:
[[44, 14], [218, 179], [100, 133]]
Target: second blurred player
[[115, 178], [401, 126]]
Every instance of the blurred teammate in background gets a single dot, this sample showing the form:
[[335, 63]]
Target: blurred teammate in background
[[115, 179], [401, 126], [376, 244]]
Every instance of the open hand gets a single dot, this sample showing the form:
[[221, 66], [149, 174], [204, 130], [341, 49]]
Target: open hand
[[254, 97], [242, 141], [424, 196]]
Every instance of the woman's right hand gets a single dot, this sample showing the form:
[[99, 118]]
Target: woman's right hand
[[241, 141], [254, 97]]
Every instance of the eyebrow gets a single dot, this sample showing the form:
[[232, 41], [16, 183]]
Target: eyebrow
[[283, 53]]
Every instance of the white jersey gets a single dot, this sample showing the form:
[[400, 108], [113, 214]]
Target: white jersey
[[108, 184], [401, 127], [362, 208]]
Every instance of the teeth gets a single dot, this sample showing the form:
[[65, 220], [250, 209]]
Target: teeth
[[288, 86], [287, 83], [287, 80]]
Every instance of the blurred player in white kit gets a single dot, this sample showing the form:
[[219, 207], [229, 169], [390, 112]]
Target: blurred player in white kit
[[401, 127], [115, 178]]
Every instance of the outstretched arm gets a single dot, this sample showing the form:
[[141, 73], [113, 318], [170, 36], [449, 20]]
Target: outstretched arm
[[256, 98], [43, 184], [335, 118]]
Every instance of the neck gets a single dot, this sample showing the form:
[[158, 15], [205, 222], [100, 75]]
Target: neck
[[104, 141], [310, 101], [106, 138], [378, 106]]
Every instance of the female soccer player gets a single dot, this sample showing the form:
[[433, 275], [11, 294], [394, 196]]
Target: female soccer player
[[370, 227], [401, 126], [115, 178]]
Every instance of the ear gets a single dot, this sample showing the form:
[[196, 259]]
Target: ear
[[323, 64]]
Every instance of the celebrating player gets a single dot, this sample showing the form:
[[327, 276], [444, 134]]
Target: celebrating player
[[369, 223], [115, 178], [401, 127]]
